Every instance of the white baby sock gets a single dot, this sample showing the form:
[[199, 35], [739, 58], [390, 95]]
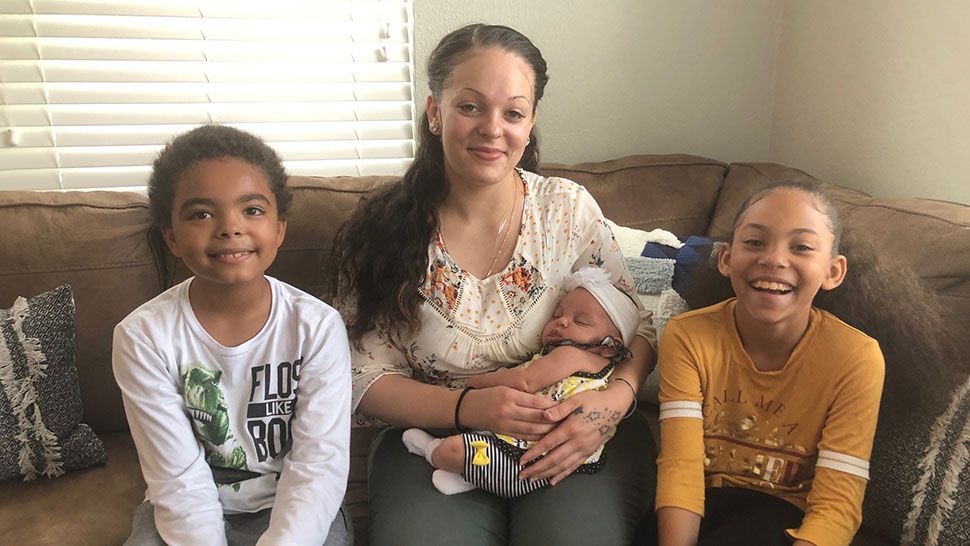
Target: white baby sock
[[420, 442], [450, 483]]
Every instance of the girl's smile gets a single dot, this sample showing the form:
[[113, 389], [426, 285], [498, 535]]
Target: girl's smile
[[771, 286]]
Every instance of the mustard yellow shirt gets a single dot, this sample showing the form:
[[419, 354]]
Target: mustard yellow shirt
[[802, 433]]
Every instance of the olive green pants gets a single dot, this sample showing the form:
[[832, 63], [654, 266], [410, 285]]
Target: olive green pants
[[602, 508]]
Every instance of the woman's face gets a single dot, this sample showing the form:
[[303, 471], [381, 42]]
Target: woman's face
[[485, 115]]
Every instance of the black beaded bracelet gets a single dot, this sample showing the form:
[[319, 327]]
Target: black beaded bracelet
[[461, 397]]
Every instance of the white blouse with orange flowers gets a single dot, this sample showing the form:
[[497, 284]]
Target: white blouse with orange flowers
[[472, 326]]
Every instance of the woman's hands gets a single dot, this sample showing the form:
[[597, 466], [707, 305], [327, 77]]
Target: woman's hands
[[588, 420], [507, 411]]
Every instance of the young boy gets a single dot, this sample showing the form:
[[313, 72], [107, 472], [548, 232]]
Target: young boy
[[236, 385]]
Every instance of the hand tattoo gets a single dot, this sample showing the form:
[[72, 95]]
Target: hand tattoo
[[605, 422]]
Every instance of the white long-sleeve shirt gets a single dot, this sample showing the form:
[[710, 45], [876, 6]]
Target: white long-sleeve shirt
[[270, 418]]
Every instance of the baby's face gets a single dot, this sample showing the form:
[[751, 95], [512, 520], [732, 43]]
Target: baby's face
[[580, 318]]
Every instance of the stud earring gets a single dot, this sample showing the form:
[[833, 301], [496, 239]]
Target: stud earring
[[528, 141], [433, 127]]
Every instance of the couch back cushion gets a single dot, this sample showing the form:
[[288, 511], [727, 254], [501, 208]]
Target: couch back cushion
[[674, 192], [932, 237], [98, 243], [320, 206]]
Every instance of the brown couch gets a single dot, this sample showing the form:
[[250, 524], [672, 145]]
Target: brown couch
[[102, 243]]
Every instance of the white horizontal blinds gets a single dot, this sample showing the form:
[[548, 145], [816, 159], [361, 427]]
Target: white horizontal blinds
[[92, 90]]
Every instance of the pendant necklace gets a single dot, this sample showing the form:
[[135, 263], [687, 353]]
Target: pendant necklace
[[507, 226]]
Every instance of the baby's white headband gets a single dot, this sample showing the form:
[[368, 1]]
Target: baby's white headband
[[620, 308]]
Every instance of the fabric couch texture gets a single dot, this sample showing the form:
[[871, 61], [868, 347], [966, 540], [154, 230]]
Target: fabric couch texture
[[939, 512], [103, 245]]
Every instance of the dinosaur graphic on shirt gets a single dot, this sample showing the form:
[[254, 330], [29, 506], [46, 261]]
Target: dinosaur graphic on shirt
[[210, 416]]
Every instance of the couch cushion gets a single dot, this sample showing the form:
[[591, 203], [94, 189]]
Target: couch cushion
[[918, 492], [94, 507], [87, 508], [320, 206], [673, 192], [97, 243], [743, 179], [931, 237], [356, 497]]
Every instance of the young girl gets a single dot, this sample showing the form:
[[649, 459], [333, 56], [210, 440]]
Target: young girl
[[582, 342], [768, 405]]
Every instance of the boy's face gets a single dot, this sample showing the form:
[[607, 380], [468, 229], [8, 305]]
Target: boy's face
[[225, 225], [580, 318]]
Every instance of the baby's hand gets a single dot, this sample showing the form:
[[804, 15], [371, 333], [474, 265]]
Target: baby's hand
[[506, 377]]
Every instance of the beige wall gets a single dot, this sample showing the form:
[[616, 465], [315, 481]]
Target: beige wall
[[876, 95], [873, 94], [636, 76]]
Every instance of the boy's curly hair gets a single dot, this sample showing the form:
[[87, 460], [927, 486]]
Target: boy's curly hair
[[212, 142]]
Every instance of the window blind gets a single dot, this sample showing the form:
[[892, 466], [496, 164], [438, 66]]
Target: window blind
[[92, 90]]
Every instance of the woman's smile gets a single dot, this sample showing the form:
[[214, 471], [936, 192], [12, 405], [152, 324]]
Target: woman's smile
[[488, 154]]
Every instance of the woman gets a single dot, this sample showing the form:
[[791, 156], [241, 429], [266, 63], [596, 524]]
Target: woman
[[452, 273]]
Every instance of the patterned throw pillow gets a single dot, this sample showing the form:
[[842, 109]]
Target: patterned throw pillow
[[919, 486], [41, 433], [652, 278], [695, 254]]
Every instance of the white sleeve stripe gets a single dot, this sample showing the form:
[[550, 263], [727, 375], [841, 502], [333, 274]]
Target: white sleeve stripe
[[671, 413], [843, 463], [681, 404], [849, 459], [681, 408], [842, 467]]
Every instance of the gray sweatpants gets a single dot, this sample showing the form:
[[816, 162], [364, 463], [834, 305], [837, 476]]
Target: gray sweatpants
[[241, 529]]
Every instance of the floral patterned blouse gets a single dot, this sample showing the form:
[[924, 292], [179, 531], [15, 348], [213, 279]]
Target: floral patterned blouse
[[472, 326]]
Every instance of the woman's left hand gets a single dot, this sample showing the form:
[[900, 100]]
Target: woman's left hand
[[588, 420]]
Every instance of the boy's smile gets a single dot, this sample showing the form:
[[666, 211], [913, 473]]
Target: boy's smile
[[225, 224]]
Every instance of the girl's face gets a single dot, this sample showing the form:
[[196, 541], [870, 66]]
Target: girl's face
[[780, 257], [485, 116], [580, 318]]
